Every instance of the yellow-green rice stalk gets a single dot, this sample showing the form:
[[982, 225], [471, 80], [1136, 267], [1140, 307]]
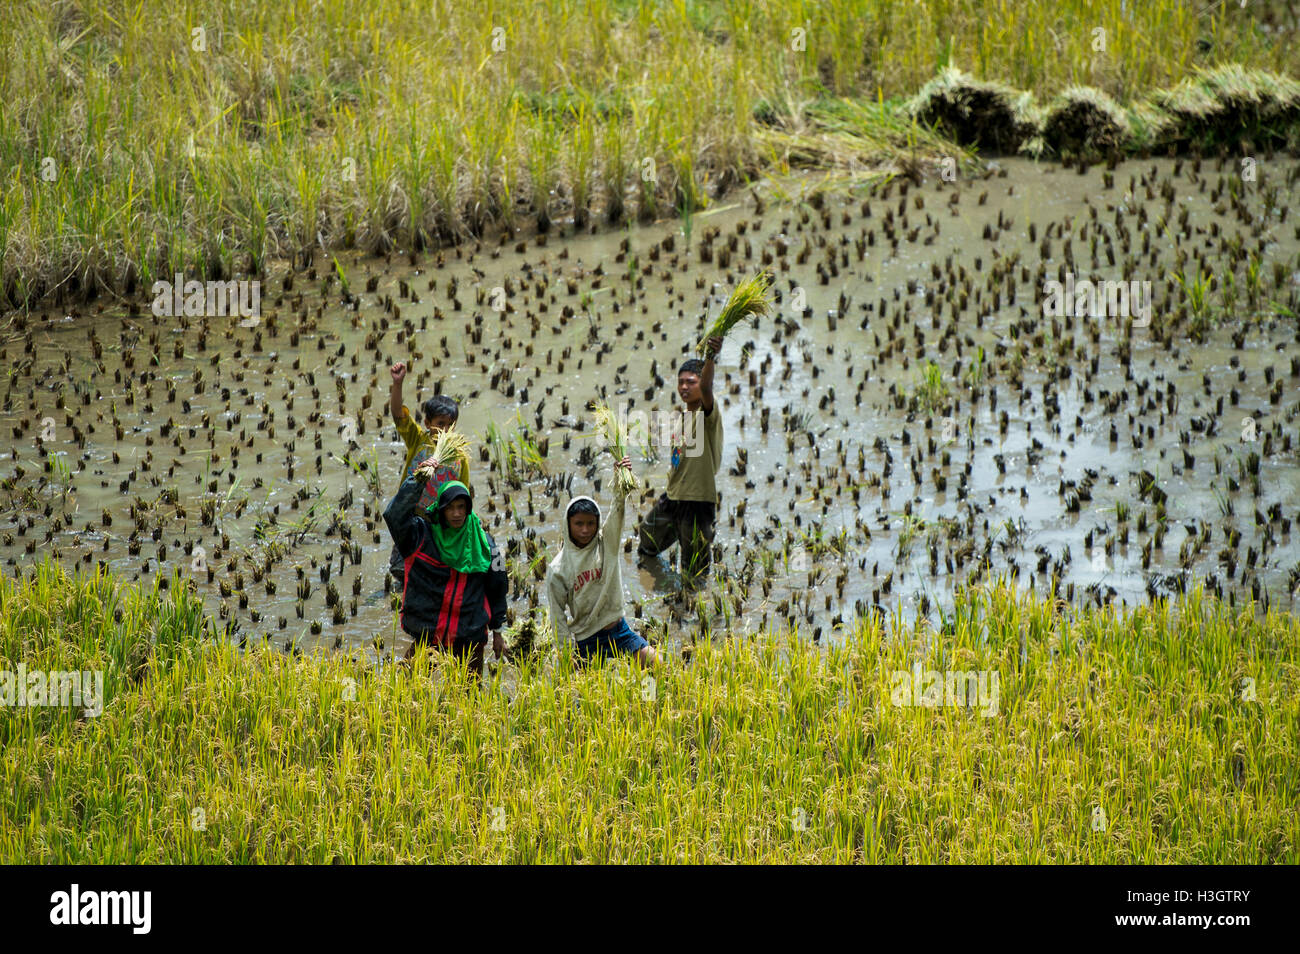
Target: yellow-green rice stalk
[[449, 447], [614, 431], [749, 301]]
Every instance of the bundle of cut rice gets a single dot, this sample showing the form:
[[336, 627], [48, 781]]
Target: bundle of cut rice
[[449, 448], [1083, 121], [748, 302], [1229, 104], [989, 116], [615, 433]]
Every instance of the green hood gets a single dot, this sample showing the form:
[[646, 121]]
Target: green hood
[[466, 550]]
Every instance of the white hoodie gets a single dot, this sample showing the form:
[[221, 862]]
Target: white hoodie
[[586, 583]]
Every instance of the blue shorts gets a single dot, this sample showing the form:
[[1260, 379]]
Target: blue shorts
[[616, 638]]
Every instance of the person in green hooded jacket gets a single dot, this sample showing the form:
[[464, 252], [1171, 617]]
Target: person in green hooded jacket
[[455, 581]]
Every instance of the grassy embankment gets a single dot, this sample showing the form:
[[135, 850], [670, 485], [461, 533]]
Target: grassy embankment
[[142, 139], [761, 749]]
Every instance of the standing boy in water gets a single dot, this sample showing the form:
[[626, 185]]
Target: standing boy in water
[[687, 513], [585, 579], [440, 412]]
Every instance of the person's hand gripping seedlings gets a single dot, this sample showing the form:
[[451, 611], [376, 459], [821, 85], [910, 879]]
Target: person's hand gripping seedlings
[[425, 469]]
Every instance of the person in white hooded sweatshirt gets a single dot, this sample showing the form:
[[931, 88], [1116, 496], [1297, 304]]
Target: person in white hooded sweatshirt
[[585, 583]]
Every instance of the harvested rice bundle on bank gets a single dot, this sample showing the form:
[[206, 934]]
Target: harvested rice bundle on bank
[[1083, 121], [1151, 125], [974, 112], [1229, 104]]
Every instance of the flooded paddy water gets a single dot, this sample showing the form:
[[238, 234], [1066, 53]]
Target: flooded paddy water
[[1112, 458]]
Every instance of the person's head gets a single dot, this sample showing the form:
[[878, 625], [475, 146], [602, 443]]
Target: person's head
[[440, 412], [688, 380], [583, 518], [453, 506], [456, 513]]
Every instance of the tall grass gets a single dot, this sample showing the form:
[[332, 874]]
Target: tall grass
[[304, 124], [766, 748]]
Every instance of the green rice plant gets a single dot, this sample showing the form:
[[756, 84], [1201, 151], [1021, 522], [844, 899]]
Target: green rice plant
[[912, 527], [647, 121], [342, 277], [1254, 282], [1228, 292], [582, 162], [1226, 507], [527, 449], [690, 197], [367, 468], [931, 393], [615, 171], [687, 211], [748, 302], [543, 166], [976, 370], [1196, 294], [295, 532], [62, 476], [502, 451]]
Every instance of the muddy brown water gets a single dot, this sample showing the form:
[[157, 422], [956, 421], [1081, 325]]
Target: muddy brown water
[[853, 496]]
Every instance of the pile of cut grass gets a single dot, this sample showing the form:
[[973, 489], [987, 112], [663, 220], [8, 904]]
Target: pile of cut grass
[[1162, 735]]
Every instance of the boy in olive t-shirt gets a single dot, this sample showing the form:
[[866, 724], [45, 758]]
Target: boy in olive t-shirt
[[687, 513], [440, 412]]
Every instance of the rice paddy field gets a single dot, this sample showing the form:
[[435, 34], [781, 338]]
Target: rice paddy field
[[1024, 410], [1161, 735], [219, 137]]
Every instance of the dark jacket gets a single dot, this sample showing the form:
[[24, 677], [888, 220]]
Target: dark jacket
[[440, 604]]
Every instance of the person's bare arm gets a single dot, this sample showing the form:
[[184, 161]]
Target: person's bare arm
[[706, 374], [395, 396]]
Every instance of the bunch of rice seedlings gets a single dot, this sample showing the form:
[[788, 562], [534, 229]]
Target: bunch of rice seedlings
[[615, 433], [450, 447], [748, 302], [974, 112], [1085, 121]]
